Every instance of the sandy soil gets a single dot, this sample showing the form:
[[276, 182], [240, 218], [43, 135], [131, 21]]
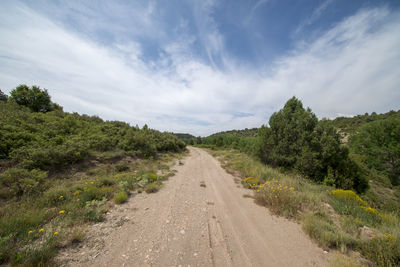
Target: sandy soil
[[186, 224]]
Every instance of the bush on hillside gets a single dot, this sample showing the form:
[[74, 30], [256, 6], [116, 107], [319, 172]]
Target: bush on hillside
[[379, 143], [16, 182], [34, 98]]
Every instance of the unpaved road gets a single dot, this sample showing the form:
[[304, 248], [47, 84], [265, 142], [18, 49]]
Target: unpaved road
[[186, 224]]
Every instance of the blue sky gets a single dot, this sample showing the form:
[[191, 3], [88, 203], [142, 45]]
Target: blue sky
[[204, 66]]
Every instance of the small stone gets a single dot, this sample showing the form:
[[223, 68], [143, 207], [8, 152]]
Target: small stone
[[182, 232], [326, 252], [195, 254]]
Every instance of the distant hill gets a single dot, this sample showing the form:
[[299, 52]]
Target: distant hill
[[349, 126], [185, 137], [243, 133]]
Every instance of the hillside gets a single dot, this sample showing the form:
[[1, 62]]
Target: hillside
[[350, 125], [59, 171]]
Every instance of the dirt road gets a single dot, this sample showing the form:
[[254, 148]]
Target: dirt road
[[186, 224]]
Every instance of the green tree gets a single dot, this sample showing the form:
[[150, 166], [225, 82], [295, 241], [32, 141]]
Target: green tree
[[296, 139], [36, 99], [198, 140], [3, 96], [379, 143], [290, 129]]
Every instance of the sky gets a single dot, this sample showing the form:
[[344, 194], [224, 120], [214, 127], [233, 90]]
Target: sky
[[204, 66]]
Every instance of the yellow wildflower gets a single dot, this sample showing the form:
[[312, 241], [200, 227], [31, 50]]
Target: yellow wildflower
[[55, 233], [61, 197], [41, 230], [30, 232], [91, 182], [61, 211]]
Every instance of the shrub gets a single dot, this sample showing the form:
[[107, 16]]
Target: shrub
[[94, 215], [250, 182], [92, 193], [92, 210], [347, 202], [279, 198], [106, 181], [152, 187], [348, 196], [122, 167], [21, 181], [120, 197], [384, 250], [56, 195]]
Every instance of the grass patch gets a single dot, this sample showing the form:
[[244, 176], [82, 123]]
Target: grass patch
[[120, 197], [152, 187]]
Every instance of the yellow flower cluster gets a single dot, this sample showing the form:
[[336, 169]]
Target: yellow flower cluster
[[77, 192], [370, 210], [348, 195], [248, 179], [274, 189], [388, 236], [31, 232]]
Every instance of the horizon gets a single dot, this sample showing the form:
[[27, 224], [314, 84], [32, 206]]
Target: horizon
[[204, 67]]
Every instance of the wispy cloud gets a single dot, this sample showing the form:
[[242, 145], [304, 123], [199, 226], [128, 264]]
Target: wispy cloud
[[352, 68], [253, 10], [317, 13]]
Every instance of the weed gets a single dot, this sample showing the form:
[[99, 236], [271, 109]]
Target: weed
[[203, 184], [325, 232], [279, 198], [122, 167], [384, 250], [152, 187], [120, 197]]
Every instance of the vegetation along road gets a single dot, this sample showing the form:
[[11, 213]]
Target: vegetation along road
[[200, 218]]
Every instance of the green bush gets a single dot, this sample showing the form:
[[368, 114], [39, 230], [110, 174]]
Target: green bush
[[17, 182], [122, 167], [56, 195], [152, 187], [120, 197], [379, 142]]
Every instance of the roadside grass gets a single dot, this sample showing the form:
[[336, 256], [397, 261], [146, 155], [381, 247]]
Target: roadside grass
[[338, 220], [34, 226]]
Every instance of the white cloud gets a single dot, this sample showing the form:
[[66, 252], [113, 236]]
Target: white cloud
[[351, 69], [314, 16]]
